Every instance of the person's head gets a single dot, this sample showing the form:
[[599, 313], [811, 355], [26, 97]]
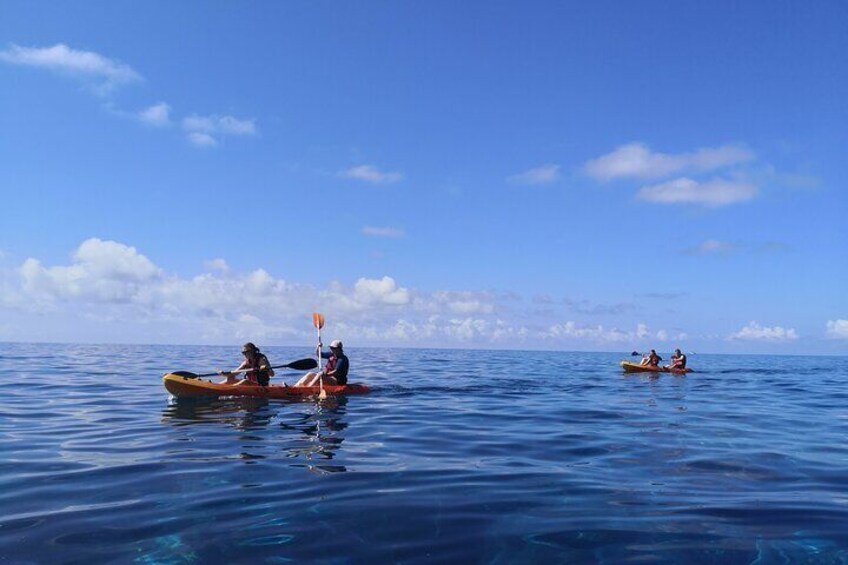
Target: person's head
[[677, 351], [249, 350], [336, 346], [653, 352]]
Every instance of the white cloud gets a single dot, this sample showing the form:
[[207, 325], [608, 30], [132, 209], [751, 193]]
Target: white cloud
[[636, 160], [712, 246], [462, 302], [755, 332], [712, 193], [101, 71], [104, 271], [837, 329], [157, 115], [205, 131], [218, 264], [545, 174], [383, 232], [201, 139], [370, 173], [385, 290], [600, 335]]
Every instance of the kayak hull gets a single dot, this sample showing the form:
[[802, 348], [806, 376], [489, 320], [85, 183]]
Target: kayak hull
[[630, 367], [184, 387]]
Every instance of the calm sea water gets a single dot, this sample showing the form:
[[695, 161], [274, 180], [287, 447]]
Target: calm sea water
[[466, 456]]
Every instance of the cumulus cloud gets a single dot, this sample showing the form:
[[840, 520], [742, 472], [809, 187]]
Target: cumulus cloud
[[218, 264], [755, 332], [385, 290], [104, 271], [712, 193], [837, 329], [370, 173], [383, 232], [206, 131], [157, 115], [636, 160], [103, 73], [116, 283], [545, 174]]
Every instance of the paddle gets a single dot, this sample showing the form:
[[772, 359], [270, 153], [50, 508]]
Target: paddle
[[318, 322], [299, 365]]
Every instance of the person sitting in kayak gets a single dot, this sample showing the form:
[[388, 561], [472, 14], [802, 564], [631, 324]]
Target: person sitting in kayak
[[678, 361], [651, 359], [334, 372], [259, 371]]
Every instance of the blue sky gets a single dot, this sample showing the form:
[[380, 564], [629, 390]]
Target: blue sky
[[550, 175]]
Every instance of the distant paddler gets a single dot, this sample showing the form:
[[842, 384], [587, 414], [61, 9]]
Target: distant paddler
[[259, 371], [651, 359], [678, 361]]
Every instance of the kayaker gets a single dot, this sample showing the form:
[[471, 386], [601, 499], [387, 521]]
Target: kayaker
[[678, 360], [334, 372], [651, 359], [260, 371]]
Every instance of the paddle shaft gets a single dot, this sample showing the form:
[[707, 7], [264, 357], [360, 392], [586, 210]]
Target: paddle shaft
[[301, 364]]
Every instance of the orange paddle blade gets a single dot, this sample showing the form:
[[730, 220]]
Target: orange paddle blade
[[318, 320]]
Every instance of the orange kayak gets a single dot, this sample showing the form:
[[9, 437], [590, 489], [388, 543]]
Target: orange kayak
[[637, 368], [185, 387]]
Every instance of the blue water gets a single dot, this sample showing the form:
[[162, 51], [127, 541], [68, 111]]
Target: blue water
[[466, 456]]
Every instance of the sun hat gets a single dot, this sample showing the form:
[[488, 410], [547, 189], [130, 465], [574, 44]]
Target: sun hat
[[336, 344]]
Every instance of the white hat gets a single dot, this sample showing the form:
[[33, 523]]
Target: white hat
[[336, 344]]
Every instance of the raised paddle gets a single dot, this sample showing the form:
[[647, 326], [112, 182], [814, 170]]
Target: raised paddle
[[299, 365], [318, 322]]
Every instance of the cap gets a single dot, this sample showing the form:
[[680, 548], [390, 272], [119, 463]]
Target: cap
[[336, 344]]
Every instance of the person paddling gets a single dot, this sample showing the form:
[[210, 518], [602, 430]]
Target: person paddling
[[334, 372], [651, 359], [259, 368], [678, 361]]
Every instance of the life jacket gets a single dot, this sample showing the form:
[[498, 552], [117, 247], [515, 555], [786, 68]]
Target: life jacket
[[331, 364], [262, 377]]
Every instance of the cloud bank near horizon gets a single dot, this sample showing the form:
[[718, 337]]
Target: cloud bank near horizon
[[112, 282]]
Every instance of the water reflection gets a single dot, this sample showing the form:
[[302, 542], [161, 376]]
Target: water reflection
[[307, 430], [322, 434]]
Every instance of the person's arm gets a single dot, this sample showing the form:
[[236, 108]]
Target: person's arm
[[243, 365]]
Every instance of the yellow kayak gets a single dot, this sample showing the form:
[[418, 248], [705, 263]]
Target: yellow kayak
[[630, 367], [188, 387]]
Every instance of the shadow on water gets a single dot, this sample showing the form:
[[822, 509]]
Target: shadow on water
[[307, 430]]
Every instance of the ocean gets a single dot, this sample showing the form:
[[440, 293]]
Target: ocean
[[455, 456]]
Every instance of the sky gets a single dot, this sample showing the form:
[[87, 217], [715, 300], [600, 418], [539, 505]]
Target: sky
[[585, 175]]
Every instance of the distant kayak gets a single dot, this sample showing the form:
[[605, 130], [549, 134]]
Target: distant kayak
[[188, 387], [637, 368]]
